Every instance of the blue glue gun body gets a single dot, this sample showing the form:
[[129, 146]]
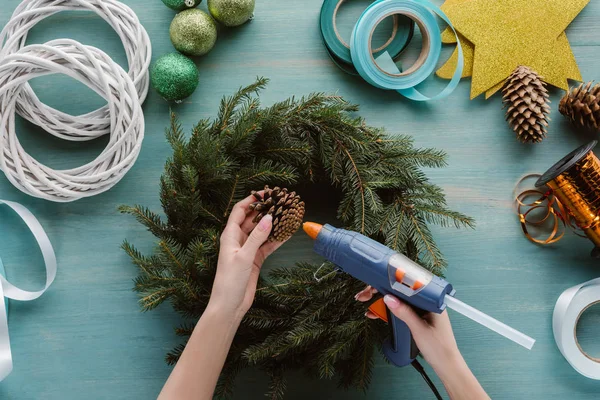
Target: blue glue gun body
[[390, 273]]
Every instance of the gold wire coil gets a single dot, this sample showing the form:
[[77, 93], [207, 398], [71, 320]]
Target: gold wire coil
[[572, 197]]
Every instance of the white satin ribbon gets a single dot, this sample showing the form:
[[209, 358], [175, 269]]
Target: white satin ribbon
[[10, 291], [569, 307]]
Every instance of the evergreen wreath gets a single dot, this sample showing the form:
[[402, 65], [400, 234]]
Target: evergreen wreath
[[296, 322]]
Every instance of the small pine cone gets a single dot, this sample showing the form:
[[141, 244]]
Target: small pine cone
[[582, 106], [526, 98], [285, 207]]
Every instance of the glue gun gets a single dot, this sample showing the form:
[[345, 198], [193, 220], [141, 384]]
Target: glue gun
[[392, 273]]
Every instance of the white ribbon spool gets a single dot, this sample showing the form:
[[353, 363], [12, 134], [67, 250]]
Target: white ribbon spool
[[137, 48], [99, 72], [10, 291], [569, 307]]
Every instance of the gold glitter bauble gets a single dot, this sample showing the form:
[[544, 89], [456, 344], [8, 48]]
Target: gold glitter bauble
[[193, 32], [507, 33], [231, 12]]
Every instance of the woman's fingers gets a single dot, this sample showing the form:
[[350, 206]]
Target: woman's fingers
[[258, 237], [248, 225], [371, 315], [239, 225], [403, 311], [240, 210], [366, 294]]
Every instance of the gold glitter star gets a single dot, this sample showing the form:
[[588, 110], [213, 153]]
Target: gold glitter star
[[507, 33]]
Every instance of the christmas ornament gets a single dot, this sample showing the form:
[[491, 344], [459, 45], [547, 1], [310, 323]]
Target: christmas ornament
[[286, 208], [174, 77], [136, 43], [297, 321], [527, 101], [97, 71], [231, 12], [581, 106], [505, 35], [193, 32], [180, 5]]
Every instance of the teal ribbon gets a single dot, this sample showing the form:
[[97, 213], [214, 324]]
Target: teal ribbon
[[340, 53], [379, 69]]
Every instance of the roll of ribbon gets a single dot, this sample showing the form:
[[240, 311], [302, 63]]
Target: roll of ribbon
[[569, 307], [339, 49], [10, 291], [382, 72]]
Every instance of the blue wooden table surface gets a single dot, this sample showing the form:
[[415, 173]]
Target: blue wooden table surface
[[86, 338]]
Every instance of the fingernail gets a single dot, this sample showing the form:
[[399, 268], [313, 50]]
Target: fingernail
[[265, 223], [356, 296], [391, 301], [367, 314]]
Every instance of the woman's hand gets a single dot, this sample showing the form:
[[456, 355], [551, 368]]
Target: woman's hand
[[432, 332], [435, 339], [242, 253]]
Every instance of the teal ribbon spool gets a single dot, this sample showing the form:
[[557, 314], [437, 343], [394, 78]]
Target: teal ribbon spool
[[377, 66], [382, 72], [339, 50]]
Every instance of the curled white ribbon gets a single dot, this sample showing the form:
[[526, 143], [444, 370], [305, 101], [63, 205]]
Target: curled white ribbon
[[10, 291]]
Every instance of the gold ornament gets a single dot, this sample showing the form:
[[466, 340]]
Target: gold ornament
[[507, 33], [286, 209], [526, 98], [582, 106]]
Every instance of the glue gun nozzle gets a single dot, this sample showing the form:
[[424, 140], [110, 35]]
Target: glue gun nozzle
[[312, 229]]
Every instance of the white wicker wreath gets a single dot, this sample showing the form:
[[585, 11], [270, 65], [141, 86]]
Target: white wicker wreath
[[137, 48], [100, 73]]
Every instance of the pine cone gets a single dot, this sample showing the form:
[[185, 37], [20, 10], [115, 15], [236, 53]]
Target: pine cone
[[582, 106], [526, 97], [286, 208]]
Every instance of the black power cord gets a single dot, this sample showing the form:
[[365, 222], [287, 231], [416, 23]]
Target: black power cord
[[417, 365]]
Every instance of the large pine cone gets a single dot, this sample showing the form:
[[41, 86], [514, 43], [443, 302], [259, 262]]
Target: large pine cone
[[286, 208], [526, 97], [582, 106]]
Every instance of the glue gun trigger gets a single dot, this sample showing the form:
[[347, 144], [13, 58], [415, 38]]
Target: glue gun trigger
[[378, 307]]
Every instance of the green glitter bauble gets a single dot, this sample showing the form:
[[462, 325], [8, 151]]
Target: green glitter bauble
[[231, 12], [193, 32], [180, 5], [174, 76]]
